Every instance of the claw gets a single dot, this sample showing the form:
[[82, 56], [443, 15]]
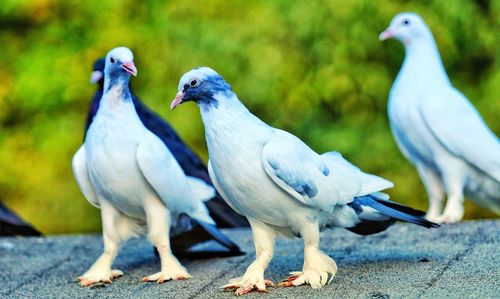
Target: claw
[[93, 278], [162, 277], [287, 283], [300, 278], [116, 273], [243, 288], [232, 285], [88, 282], [268, 283]]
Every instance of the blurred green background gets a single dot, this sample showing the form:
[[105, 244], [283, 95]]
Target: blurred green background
[[314, 68]]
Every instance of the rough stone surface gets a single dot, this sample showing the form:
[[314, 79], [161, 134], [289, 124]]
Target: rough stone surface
[[406, 261]]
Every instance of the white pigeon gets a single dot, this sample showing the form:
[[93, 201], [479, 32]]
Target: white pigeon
[[282, 186], [437, 129], [127, 172]]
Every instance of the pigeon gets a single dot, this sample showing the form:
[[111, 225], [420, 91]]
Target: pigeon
[[126, 171], [188, 232], [191, 163], [12, 225], [282, 186], [437, 128]]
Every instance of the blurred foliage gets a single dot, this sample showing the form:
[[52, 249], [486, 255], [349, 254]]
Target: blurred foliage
[[314, 68]]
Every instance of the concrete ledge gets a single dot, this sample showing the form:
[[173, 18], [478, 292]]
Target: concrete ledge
[[406, 261]]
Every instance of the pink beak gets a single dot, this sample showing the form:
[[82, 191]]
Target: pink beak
[[177, 100], [129, 67], [386, 34]]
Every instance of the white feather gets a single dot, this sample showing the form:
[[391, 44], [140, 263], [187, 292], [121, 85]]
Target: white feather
[[437, 128], [200, 189], [274, 179], [80, 171]]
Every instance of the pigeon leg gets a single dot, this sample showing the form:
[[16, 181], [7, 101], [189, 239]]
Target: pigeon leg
[[319, 269], [454, 184], [435, 190], [158, 219], [100, 271], [454, 210], [253, 279]]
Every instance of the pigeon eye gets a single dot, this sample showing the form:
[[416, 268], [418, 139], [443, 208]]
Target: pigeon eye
[[112, 60], [406, 22], [194, 83]]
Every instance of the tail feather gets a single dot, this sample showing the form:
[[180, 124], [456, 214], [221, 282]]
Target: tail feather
[[400, 207], [218, 236], [11, 224], [190, 232], [393, 210], [223, 215], [401, 215], [368, 227]]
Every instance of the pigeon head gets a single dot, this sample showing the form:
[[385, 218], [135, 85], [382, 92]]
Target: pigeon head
[[119, 66], [97, 75], [200, 85], [406, 27]]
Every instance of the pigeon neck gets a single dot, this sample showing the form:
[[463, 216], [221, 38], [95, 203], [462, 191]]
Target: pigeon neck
[[119, 81], [229, 113], [116, 92], [422, 59]]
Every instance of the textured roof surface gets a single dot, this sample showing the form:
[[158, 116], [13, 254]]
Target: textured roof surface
[[406, 261]]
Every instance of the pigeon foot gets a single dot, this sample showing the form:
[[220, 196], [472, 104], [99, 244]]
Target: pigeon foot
[[433, 215], [452, 214], [94, 277], [316, 279], [244, 285], [163, 276], [319, 270]]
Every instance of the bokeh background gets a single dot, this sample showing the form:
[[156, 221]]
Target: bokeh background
[[314, 68]]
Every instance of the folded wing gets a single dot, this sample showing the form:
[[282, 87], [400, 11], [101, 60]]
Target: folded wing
[[305, 175], [164, 174], [369, 183], [460, 129], [82, 177]]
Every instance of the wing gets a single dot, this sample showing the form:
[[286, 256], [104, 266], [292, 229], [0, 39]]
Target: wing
[[82, 177], [303, 174], [164, 174], [460, 129], [369, 183], [189, 161]]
